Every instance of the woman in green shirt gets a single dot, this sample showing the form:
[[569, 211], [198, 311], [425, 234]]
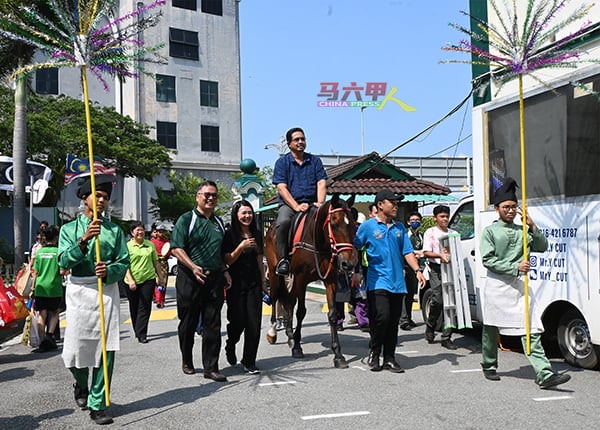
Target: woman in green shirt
[[141, 277]]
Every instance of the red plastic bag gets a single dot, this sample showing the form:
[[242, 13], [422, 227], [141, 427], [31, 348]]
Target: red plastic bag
[[12, 305]]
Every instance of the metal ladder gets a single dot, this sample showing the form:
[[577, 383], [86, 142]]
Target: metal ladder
[[455, 296]]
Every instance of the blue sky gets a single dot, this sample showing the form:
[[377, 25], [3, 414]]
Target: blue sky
[[288, 47]]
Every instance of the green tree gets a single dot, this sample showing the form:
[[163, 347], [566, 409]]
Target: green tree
[[13, 55], [57, 127], [170, 204]]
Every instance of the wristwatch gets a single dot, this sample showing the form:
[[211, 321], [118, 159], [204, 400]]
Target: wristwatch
[[418, 270]]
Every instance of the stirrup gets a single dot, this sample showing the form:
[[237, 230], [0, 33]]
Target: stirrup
[[283, 267]]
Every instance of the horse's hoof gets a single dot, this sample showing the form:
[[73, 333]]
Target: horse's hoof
[[297, 353], [340, 363], [271, 339]]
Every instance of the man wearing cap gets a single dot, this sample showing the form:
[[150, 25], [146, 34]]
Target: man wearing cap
[[301, 181], [386, 244], [77, 251], [202, 276], [503, 303]]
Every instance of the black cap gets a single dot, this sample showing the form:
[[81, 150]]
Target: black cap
[[103, 183], [387, 195], [506, 192]]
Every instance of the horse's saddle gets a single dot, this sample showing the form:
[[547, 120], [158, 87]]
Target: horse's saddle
[[297, 228]]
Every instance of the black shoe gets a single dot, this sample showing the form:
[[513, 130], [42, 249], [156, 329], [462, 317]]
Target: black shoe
[[392, 365], [448, 344], [251, 369], [81, 395], [188, 369], [412, 324], [215, 376], [100, 417], [405, 326], [230, 354], [429, 334], [365, 328], [340, 327], [283, 267], [142, 339], [555, 380], [491, 375], [373, 362]]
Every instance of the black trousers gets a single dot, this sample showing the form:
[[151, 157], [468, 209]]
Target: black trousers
[[412, 284], [195, 299], [384, 315], [140, 306], [244, 313], [436, 306]]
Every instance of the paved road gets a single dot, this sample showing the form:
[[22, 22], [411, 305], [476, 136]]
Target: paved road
[[440, 390]]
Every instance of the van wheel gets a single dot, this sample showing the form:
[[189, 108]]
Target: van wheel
[[426, 306], [174, 270], [575, 342]]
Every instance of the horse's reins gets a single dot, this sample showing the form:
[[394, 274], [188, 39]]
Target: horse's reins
[[335, 247]]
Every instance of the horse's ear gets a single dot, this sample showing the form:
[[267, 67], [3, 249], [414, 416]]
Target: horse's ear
[[334, 199], [350, 201]]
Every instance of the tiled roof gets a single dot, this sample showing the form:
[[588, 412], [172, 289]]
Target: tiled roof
[[372, 186], [336, 171]]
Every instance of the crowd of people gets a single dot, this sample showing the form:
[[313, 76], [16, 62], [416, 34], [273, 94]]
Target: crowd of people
[[219, 264]]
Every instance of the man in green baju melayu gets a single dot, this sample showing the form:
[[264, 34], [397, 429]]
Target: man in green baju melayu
[[82, 347]]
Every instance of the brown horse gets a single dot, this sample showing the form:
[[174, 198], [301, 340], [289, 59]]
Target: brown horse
[[324, 248]]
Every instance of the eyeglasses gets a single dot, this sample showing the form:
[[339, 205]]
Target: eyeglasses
[[299, 139], [209, 195], [509, 208]]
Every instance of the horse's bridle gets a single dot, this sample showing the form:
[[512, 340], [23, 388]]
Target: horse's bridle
[[334, 246]]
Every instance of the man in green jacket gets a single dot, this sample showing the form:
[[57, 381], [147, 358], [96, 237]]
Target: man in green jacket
[[82, 347], [504, 298]]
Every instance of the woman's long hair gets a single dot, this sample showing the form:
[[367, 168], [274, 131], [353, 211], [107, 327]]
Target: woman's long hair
[[236, 227]]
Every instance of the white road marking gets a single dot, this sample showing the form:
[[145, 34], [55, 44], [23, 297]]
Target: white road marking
[[265, 384], [466, 371], [408, 352], [342, 414], [550, 399], [359, 368]]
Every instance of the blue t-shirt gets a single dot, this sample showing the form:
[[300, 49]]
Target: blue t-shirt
[[301, 179], [385, 248]]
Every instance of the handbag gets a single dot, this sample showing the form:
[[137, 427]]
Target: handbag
[[12, 306]]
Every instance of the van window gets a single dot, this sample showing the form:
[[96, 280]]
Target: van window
[[463, 221]]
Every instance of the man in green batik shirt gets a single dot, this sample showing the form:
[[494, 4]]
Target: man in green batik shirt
[[77, 251]]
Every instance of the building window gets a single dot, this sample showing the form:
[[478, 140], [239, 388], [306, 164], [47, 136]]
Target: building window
[[214, 7], [46, 80], [185, 4], [209, 93], [210, 138], [165, 88], [166, 134], [183, 44]]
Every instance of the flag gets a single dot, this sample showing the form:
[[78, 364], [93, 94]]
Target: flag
[[77, 167], [37, 170]]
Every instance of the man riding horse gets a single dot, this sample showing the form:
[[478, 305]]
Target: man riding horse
[[301, 181]]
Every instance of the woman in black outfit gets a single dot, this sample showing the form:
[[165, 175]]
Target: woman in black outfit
[[243, 252]]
